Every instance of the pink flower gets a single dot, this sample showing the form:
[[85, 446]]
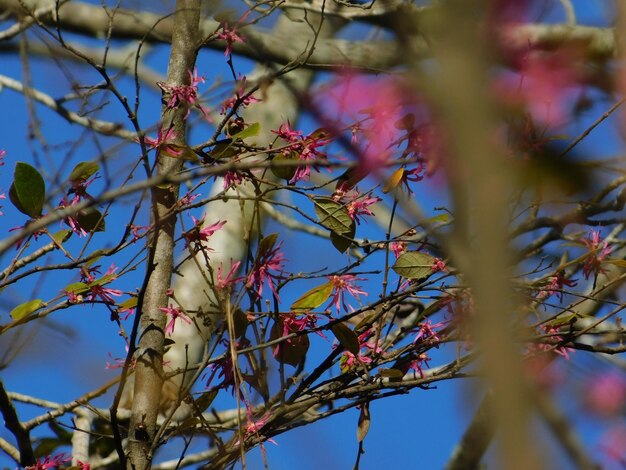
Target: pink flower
[[414, 175], [233, 178], [70, 220], [293, 323], [598, 251], [605, 394], [554, 342], [187, 199], [105, 294], [224, 369], [342, 284], [230, 36], [49, 462], [357, 204], [2, 155], [163, 142], [426, 332], [34, 235], [438, 265], [254, 426], [417, 364], [186, 95], [555, 286], [288, 134], [118, 362], [138, 231], [198, 233], [613, 445], [270, 260], [547, 83], [306, 148], [240, 99], [230, 279], [174, 313], [125, 312], [381, 102], [349, 361], [398, 248], [73, 297]]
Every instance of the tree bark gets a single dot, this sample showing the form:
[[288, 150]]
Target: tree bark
[[150, 348]]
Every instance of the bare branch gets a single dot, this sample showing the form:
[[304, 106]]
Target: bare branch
[[102, 127]]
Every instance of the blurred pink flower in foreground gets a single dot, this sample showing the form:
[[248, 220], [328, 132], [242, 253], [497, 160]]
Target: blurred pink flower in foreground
[[376, 105], [605, 394]]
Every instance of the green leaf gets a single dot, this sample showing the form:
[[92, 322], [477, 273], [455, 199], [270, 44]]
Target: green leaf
[[62, 236], [129, 303], [83, 171], [347, 338], [182, 152], [91, 220], [285, 172], [250, 131], [314, 297], [333, 215], [77, 288], [266, 244], [343, 241], [25, 309], [414, 265], [566, 319], [28, 191], [441, 218], [223, 150], [103, 280]]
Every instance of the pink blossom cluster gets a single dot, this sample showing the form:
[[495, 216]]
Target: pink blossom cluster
[[267, 267], [305, 147]]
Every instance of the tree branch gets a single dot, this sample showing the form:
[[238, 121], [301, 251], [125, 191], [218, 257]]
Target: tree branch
[[149, 368]]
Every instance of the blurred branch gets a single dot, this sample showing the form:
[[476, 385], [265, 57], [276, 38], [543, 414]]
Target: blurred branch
[[479, 184], [563, 431], [262, 45], [475, 441]]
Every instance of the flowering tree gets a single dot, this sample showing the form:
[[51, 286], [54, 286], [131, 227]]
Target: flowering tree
[[438, 174]]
